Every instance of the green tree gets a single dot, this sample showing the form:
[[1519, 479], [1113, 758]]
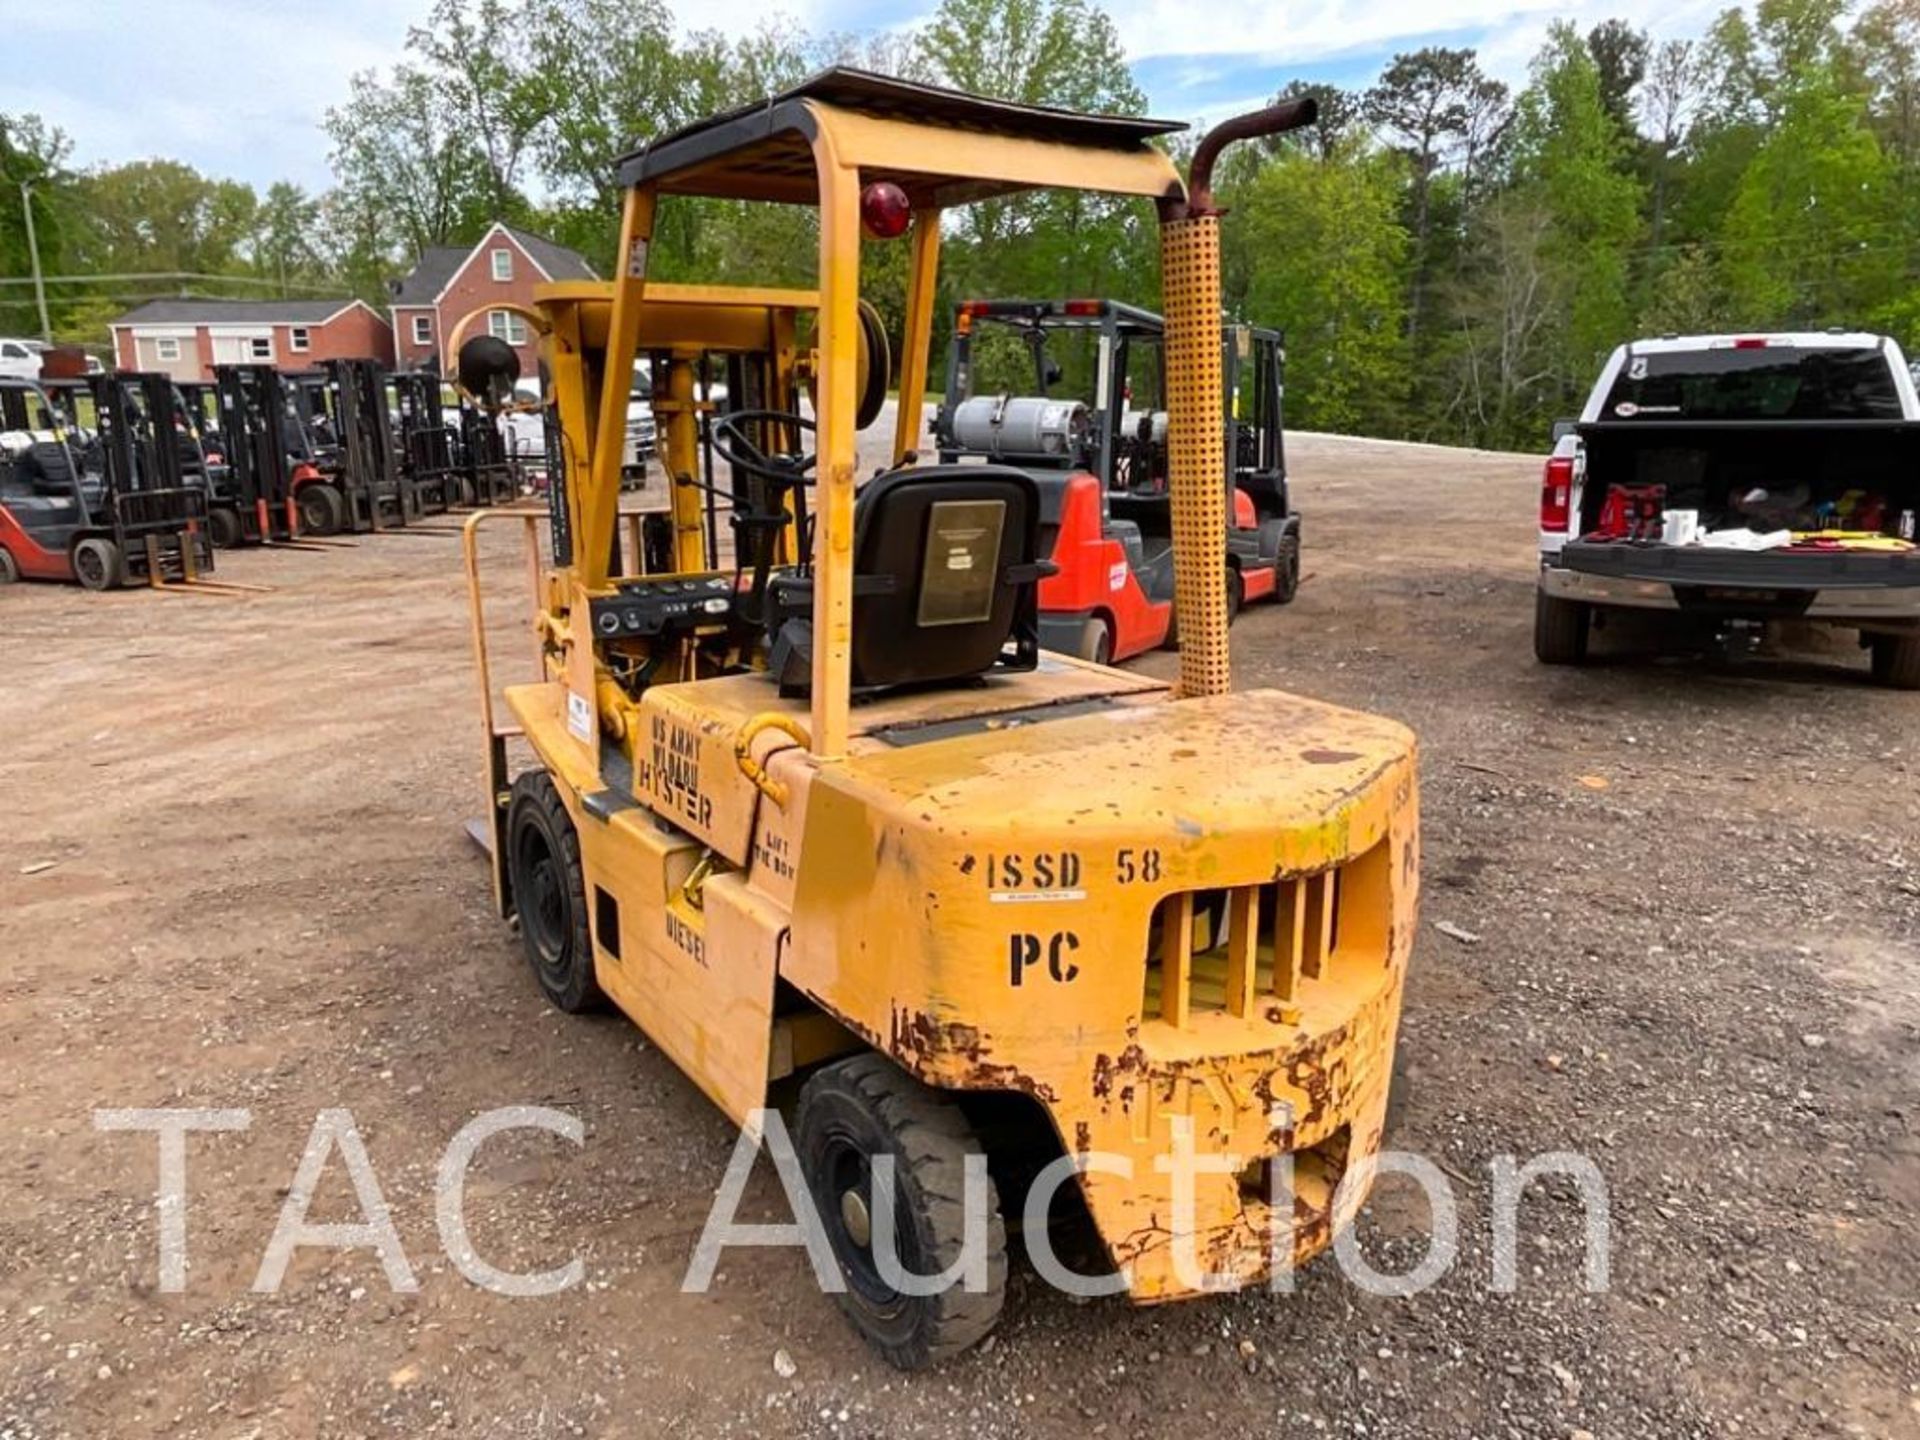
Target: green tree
[[160, 215], [1811, 237], [1570, 164], [1043, 52], [34, 154], [282, 244], [403, 158], [1332, 250], [1620, 54]]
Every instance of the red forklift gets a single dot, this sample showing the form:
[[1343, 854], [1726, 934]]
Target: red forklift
[[92, 485], [1102, 467], [261, 460]]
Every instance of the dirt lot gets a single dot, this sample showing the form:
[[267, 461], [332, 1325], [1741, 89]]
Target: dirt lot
[[1697, 892]]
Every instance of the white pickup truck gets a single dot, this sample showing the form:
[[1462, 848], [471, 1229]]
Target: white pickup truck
[[1739, 479]]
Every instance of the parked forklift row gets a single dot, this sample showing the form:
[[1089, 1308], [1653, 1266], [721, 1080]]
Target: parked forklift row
[[131, 476]]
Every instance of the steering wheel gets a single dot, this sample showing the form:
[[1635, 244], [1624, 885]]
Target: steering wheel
[[730, 439]]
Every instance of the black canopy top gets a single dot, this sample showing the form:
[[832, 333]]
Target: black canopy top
[[727, 142]]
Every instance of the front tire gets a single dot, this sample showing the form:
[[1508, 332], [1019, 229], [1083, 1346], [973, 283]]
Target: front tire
[[1236, 593], [849, 1113], [1896, 661], [223, 528], [322, 509], [550, 893], [1561, 629], [97, 564], [9, 567]]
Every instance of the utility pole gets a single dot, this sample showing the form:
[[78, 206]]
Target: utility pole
[[33, 255]]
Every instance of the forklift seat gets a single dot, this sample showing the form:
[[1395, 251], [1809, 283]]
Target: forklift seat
[[946, 569]]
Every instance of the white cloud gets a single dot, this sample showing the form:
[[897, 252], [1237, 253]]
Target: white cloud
[[1302, 32], [234, 87]]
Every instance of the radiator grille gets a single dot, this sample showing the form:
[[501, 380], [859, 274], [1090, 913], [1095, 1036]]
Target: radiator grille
[[1229, 950]]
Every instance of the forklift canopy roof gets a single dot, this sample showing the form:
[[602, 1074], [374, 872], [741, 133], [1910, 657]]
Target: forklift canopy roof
[[925, 139]]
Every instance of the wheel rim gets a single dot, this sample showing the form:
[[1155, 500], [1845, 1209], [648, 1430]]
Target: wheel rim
[[543, 903], [91, 566], [845, 1203], [313, 510]]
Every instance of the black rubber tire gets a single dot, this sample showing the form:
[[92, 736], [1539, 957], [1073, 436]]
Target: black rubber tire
[[858, 1108], [1236, 593], [9, 567], [1896, 661], [322, 509], [224, 528], [1096, 642], [1561, 629], [98, 564], [550, 893], [1286, 571]]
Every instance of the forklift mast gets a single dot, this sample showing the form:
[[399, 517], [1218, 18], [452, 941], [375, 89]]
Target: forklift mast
[[261, 430]]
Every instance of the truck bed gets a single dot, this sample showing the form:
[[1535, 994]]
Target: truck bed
[[1706, 465]]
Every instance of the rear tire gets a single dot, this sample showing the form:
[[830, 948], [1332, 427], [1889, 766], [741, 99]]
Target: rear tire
[[97, 564], [224, 528], [1286, 571], [322, 509], [1896, 661], [867, 1106], [1096, 642], [550, 893], [1561, 629], [9, 568]]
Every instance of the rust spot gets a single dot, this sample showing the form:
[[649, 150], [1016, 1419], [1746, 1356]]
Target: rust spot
[[920, 1041], [1130, 1061], [1082, 1137], [1329, 757], [966, 865]]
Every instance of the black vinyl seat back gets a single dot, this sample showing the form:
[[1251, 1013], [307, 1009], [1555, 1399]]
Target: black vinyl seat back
[[946, 568], [1052, 485]]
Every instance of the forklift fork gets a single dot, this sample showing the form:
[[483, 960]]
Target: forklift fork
[[191, 581]]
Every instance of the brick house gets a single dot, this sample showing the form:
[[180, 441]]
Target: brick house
[[186, 338], [450, 282]]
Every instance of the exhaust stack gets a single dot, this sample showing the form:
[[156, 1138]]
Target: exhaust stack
[[1196, 421]]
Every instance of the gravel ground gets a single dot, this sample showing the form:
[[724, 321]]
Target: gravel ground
[[233, 875]]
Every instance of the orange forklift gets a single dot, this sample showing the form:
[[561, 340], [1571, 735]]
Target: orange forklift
[[1102, 467]]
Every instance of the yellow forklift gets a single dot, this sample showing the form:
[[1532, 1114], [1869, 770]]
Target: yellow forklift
[[824, 812]]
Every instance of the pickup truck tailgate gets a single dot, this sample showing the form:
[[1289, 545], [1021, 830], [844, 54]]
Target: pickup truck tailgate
[[1743, 570]]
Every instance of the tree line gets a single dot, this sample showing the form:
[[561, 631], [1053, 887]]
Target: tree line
[[1449, 256]]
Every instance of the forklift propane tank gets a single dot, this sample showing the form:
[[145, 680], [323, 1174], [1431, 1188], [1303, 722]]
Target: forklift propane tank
[[1009, 427]]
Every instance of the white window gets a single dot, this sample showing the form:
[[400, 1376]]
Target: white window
[[166, 348], [261, 347], [503, 264], [298, 339], [423, 329], [507, 326]]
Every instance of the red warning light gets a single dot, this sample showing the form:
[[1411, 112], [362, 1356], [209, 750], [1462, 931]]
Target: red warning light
[[885, 210]]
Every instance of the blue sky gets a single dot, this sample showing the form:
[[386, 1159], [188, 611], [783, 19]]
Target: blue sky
[[238, 87]]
